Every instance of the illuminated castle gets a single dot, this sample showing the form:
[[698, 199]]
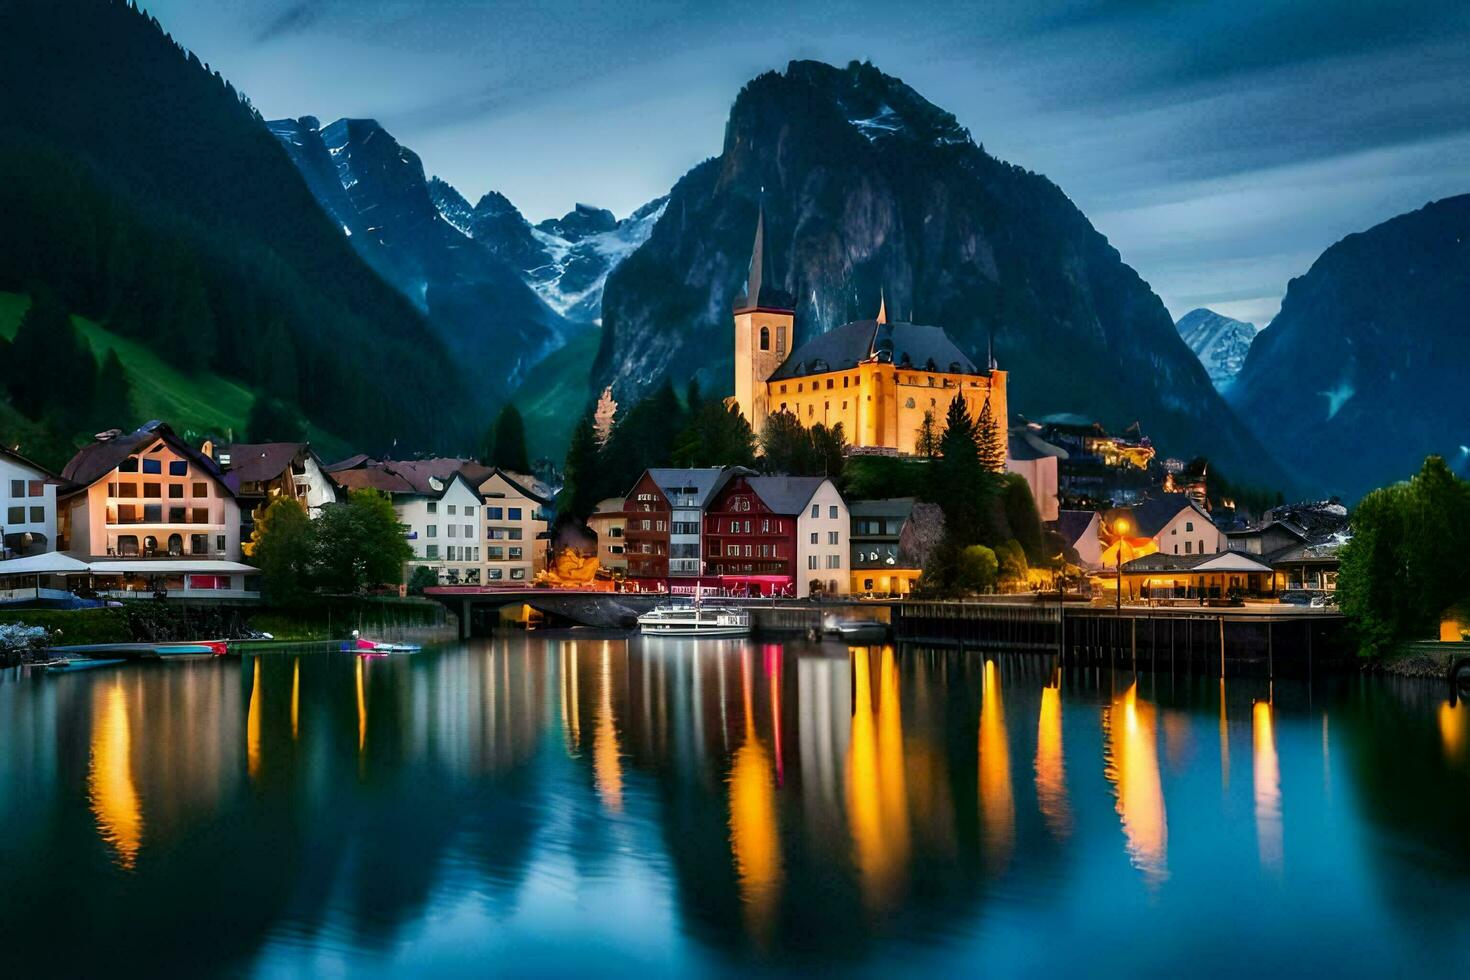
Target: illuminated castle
[[876, 377]]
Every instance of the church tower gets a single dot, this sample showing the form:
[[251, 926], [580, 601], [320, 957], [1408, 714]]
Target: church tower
[[764, 320]]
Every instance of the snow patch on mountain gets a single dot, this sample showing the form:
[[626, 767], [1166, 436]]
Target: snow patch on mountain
[[1219, 342]]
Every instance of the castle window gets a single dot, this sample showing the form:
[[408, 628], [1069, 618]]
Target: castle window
[[780, 340], [765, 338], [783, 391], [844, 406], [909, 403], [844, 381], [811, 409], [829, 384]]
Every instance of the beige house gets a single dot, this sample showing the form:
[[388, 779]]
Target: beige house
[[608, 522], [517, 513], [152, 515]]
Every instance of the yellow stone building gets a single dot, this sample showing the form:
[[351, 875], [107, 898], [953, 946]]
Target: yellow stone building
[[876, 377]]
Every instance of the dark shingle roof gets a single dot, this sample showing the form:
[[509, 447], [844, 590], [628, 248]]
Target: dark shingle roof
[[909, 345], [704, 481], [891, 507], [252, 462], [1151, 516], [785, 494], [101, 457], [411, 476]]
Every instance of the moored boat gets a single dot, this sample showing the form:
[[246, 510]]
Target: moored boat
[[369, 648], [71, 666], [694, 619]]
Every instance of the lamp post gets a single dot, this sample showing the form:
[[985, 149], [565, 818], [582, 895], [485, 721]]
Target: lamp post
[[1120, 531]]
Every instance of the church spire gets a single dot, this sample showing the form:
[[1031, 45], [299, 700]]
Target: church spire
[[882, 307], [760, 286]]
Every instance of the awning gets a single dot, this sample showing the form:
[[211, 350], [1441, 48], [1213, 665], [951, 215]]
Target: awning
[[166, 567], [50, 563]]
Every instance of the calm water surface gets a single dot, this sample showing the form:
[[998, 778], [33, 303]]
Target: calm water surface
[[550, 806]]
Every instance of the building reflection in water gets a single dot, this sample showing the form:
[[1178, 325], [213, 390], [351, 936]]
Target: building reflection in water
[[295, 698], [1267, 776], [1224, 743], [361, 707], [1051, 769], [754, 842], [110, 787], [607, 766], [876, 799], [1452, 722], [570, 721], [252, 725], [997, 801], [1130, 729]]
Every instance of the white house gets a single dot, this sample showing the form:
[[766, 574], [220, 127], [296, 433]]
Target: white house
[[1177, 525], [27, 507], [823, 552]]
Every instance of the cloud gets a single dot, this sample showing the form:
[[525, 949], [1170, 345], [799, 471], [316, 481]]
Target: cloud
[[294, 19]]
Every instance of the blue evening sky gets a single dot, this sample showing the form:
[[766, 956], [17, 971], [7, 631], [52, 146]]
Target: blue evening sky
[[1220, 146]]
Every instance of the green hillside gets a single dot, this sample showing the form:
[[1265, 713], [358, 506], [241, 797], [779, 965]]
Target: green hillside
[[194, 406], [555, 395]]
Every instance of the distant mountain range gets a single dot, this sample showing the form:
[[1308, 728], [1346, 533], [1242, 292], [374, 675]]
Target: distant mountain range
[[870, 188], [1218, 341], [1365, 369]]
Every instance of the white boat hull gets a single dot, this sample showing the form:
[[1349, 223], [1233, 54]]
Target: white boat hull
[[694, 621], [671, 630]]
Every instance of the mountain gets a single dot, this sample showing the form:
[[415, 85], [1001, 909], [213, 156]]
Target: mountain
[[374, 188], [870, 189], [1219, 342], [145, 193], [1363, 372], [565, 260]]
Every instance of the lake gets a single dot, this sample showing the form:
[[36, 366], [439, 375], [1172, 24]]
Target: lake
[[551, 805]]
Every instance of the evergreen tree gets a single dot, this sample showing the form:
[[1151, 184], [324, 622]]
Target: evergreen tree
[[271, 420], [786, 447], [989, 442], [693, 397], [113, 404], [958, 476], [829, 451], [580, 489], [509, 451], [715, 436], [927, 442], [48, 348], [1023, 523]]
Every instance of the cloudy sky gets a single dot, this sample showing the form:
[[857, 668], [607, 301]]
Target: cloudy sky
[[1219, 145]]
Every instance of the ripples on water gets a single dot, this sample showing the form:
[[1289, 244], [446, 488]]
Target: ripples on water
[[543, 805]]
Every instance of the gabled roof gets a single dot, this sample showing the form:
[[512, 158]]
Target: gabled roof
[[260, 462], [1293, 529], [16, 457], [908, 345], [703, 481], [1073, 524], [786, 494], [1219, 562], [891, 507], [104, 455], [1321, 553], [419, 477], [527, 486], [1152, 516]]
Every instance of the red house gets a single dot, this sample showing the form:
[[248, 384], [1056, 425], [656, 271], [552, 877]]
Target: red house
[[646, 529], [751, 529]]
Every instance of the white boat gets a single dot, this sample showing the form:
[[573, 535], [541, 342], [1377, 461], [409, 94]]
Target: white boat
[[692, 619]]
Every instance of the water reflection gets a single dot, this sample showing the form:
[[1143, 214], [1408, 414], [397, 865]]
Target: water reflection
[[733, 804], [114, 797], [1051, 766], [1132, 758], [997, 804], [1267, 774]]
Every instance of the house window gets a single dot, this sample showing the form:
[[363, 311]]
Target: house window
[[1188, 526], [201, 490], [454, 530], [153, 491], [469, 511], [152, 466], [829, 384], [451, 508], [1188, 547], [198, 544], [433, 530], [38, 488], [513, 513], [832, 512], [15, 515], [814, 537], [816, 510], [176, 491], [518, 574], [765, 338], [129, 465], [127, 544], [811, 562], [831, 537], [38, 515], [431, 551], [732, 550], [17, 488], [153, 514], [178, 467], [514, 553], [495, 574], [178, 515], [219, 543], [433, 507], [494, 553], [834, 561]]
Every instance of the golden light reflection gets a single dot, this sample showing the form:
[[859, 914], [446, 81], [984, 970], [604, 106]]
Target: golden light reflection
[[1130, 728], [252, 726], [876, 799], [1452, 721], [753, 837], [1051, 769], [1267, 773], [296, 699], [114, 798], [1224, 742], [361, 710], [570, 719], [997, 801], [607, 763]]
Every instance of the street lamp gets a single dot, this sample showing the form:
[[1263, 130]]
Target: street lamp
[[1120, 531]]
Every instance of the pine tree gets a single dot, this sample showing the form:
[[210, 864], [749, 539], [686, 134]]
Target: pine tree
[[715, 436], [988, 441], [580, 488], [509, 451], [958, 476], [786, 446], [927, 441]]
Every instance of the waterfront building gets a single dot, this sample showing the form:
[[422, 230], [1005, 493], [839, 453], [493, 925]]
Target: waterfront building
[[27, 507], [778, 535], [608, 522], [663, 523], [883, 563], [1172, 523], [261, 472], [517, 511], [875, 377], [1219, 575], [152, 515]]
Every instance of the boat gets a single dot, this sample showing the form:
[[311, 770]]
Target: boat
[[145, 651], [372, 648], [71, 666], [857, 630], [694, 619]]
